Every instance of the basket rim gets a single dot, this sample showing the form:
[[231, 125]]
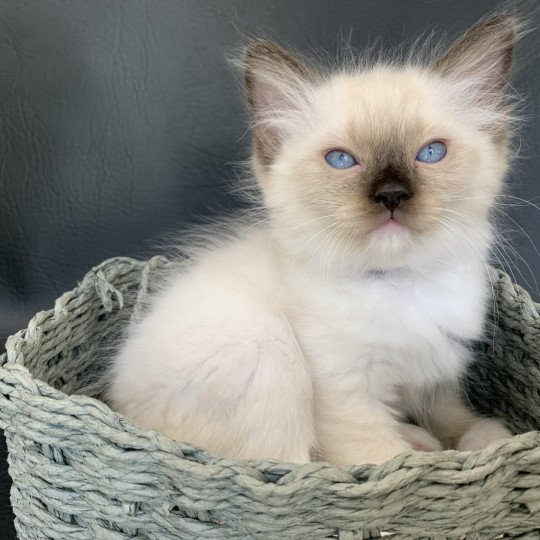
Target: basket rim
[[11, 367]]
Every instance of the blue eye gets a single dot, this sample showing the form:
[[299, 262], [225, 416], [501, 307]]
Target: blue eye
[[432, 152], [340, 159]]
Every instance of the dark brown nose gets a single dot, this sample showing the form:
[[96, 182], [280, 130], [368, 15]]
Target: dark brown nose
[[391, 196]]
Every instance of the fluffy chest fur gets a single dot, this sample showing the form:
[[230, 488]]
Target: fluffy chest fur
[[381, 330]]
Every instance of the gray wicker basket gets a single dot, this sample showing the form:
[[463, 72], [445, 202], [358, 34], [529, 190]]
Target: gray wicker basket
[[82, 471]]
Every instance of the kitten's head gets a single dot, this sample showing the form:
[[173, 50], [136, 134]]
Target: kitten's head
[[391, 165]]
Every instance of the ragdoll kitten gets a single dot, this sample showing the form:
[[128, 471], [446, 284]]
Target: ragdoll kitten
[[321, 332]]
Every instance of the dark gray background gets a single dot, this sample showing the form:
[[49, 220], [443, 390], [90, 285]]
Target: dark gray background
[[120, 120]]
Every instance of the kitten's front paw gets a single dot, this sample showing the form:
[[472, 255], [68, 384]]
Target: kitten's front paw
[[419, 438], [482, 433]]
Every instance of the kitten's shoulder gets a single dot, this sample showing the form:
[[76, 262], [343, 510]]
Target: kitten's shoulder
[[224, 254]]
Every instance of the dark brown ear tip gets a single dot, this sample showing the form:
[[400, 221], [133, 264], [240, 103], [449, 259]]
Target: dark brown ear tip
[[506, 25], [497, 34], [255, 47], [499, 20], [265, 54]]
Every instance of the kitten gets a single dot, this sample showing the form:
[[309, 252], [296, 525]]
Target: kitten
[[322, 331]]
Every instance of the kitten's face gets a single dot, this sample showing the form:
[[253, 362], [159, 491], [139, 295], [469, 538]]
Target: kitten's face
[[386, 207]]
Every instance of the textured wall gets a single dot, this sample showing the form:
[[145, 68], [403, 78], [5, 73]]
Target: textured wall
[[120, 120]]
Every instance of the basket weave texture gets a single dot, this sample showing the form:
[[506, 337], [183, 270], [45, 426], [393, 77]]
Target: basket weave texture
[[82, 471]]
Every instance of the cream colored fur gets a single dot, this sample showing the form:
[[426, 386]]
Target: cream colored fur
[[319, 333]]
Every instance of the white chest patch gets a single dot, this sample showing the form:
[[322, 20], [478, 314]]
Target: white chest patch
[[397, 330]]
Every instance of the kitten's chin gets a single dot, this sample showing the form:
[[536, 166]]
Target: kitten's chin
[[389, 245]]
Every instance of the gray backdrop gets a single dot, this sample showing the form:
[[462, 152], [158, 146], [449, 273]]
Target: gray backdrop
[[120, 121]]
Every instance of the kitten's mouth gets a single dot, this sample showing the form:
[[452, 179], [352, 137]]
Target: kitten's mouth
[[391, 225]]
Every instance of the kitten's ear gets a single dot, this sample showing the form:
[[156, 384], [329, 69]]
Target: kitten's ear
[[276, 82], [481, 59]]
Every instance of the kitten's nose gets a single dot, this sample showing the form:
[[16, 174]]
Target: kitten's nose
[[391, 196]]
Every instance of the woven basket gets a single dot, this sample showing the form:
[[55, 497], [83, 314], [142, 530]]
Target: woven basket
[[82, 471]]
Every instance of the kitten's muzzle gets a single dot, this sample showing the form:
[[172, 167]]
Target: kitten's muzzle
[[391, 196]]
